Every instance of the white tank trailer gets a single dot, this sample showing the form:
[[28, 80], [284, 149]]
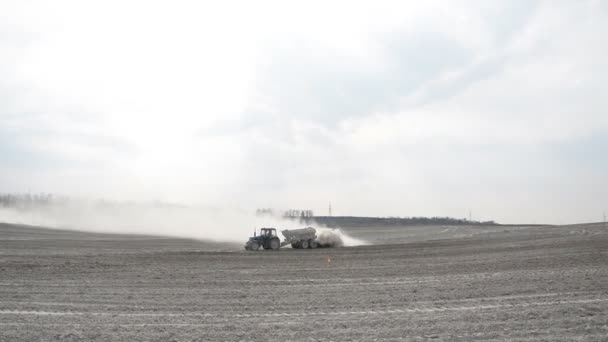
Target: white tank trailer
[[297, 238], [301, 238]]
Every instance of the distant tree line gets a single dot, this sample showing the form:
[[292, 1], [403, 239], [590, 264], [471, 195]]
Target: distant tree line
[[291, 213], [295, 213], [308, 217], [32, 201], [354, 221], [27, 200], [264, 211]]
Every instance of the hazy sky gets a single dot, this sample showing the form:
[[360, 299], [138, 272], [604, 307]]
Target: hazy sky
[[416, 108]]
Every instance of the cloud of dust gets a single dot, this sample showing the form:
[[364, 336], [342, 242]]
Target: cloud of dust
[[202, 223], [336, 238]]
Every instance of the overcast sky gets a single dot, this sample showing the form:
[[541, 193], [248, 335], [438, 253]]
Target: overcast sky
[[417, 108]]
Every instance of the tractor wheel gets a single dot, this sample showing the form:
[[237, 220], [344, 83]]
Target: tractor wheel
[[275, 244], [313, 244], [254, 247], [304, 243], [295, 245]]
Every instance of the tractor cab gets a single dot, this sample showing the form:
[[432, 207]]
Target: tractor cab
[[267, 239], [268, 232]]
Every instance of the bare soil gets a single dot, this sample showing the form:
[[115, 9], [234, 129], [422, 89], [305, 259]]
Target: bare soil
[[412, 283]]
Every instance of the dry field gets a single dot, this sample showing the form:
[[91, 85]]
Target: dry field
[[418, 283]]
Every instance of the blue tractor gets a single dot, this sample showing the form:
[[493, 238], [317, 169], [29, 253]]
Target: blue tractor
[[267, 239]]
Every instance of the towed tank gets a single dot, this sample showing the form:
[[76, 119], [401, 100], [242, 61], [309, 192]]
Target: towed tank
[[301, 238]]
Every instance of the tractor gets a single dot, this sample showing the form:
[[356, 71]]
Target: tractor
[[267, 239]]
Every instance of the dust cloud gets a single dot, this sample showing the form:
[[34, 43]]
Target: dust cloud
[[137, 218], [201, 223], [336, 238]]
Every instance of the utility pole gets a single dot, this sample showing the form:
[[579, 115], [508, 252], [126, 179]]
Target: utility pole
[[470, 216], [329, 208], [604, 220]]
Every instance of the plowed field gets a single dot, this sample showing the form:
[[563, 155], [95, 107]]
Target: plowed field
[[513, 283]]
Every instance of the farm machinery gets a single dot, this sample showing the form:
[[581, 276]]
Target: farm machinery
[[297, 238]]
